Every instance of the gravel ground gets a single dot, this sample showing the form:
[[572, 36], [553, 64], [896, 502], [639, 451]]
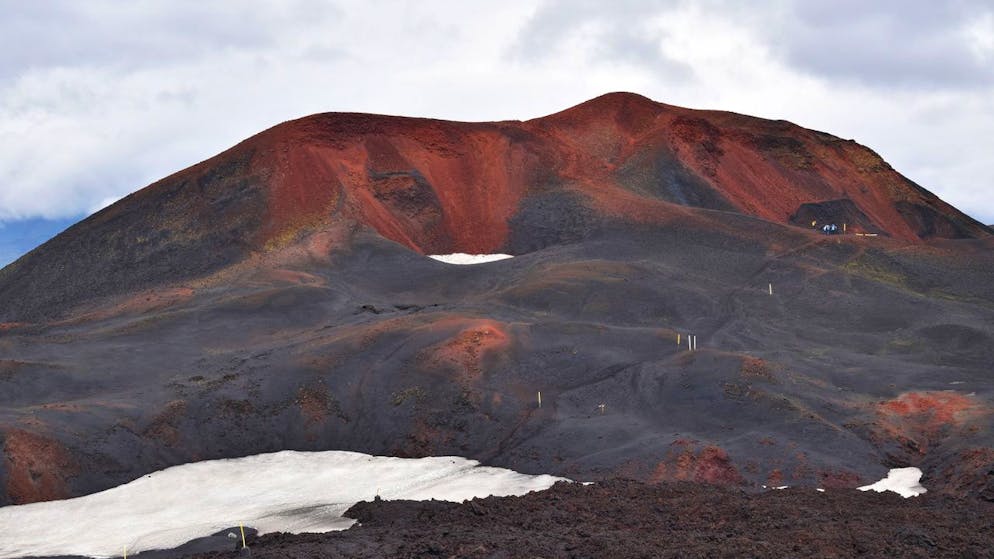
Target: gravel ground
[[622, 518]]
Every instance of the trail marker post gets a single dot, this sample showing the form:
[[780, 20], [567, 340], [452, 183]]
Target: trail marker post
[[242, 528], [771, 289], [539, 398]]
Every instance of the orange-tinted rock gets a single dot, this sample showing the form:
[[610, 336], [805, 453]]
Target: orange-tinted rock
[[37, 467], [839, 479], [922, 418], [714, 466], [442, 187], [686, 462], [464, 352], [775, 479]]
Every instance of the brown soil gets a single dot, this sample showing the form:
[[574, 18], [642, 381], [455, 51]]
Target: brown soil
[[37, 467], [620, 519]]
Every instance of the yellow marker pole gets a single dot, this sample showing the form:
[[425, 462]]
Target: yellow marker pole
[[678, 339], [242, 528], [125, 552]]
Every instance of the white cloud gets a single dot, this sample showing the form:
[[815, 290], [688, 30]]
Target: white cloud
[[887, 43], [112, 99], [980, 37]]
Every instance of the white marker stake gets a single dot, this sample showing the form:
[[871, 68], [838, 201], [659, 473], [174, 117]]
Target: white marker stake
[[695, 343], [539, 398], [771, 289], [690, 346]]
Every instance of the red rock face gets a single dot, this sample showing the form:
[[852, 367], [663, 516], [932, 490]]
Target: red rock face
[[463, 354], [37, 467], [922, 419], [687, 462], [439, 186], [430, 185]]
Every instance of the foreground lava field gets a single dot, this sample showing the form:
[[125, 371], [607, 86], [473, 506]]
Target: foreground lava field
[[278, 296], [626, 519]]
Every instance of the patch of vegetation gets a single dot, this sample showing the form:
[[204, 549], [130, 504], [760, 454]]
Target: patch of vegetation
[[788, 151], [756, 368], [284, 238], [875, 271], [416, 393], [231, 407], [959, 298], [463, 402], [735, 390], [901, 343]]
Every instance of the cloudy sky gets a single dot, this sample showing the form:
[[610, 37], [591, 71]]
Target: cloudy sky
[[100, 98]]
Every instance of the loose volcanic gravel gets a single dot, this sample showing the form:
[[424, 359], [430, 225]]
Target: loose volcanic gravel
[[623, 518]]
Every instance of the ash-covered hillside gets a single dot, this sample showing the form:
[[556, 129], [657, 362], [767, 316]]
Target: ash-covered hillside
[[277, 296]]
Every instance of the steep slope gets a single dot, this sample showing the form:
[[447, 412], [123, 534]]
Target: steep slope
[[441, 187], [276, 297]]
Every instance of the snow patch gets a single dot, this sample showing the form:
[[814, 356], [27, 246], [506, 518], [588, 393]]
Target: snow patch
[[464, 259], [285, 491], [903, 481]]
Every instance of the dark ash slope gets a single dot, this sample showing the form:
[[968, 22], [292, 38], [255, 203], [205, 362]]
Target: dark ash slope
[[275, 298]]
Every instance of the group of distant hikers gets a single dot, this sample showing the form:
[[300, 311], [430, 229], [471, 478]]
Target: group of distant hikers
[[828, 228]]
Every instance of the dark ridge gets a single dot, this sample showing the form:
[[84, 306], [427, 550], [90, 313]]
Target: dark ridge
[[931, 223], [181, 228]]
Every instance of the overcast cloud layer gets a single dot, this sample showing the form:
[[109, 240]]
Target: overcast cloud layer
[[100, 98]]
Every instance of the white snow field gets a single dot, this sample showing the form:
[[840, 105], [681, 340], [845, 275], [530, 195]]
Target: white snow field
[[284, 491], [465, 259], [903, 481]]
